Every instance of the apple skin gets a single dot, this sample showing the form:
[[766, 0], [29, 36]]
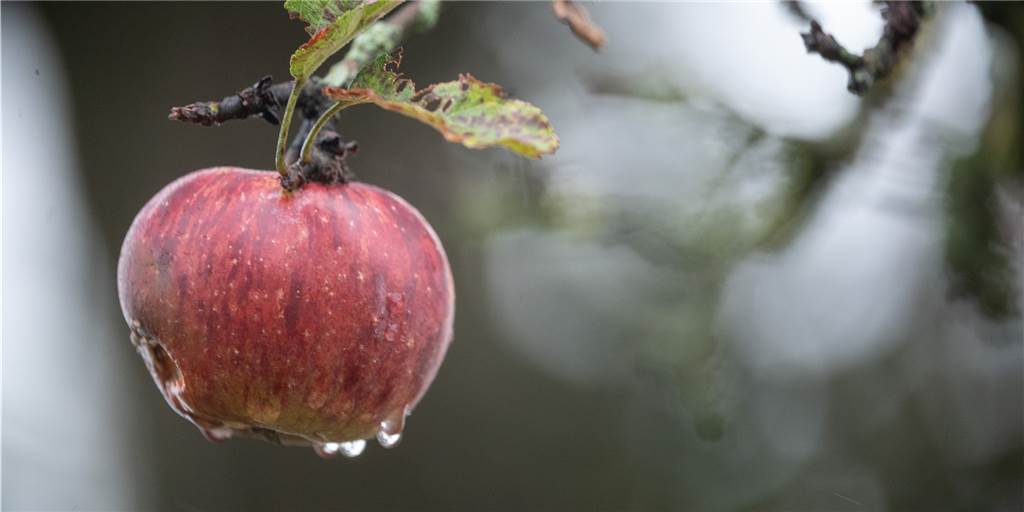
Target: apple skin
[[310, 317]]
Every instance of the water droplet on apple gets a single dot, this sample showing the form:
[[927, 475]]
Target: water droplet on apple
[[326, 450], [388, 440], [390, 432], [351, 449], [216, 434]]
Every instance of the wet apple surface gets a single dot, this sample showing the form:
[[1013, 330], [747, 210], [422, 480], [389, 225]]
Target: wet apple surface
[[314, 317]]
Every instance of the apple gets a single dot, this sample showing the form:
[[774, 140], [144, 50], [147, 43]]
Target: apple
[[313, 317]]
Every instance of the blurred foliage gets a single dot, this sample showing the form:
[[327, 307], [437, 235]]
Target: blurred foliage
[[985, 190], [693, 241], [977, 252], [982, 191]]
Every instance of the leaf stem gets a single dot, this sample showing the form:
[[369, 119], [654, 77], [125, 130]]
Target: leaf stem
[[307, 145], [286, 121]]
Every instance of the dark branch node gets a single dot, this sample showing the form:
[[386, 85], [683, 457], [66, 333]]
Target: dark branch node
[[327, 165], [824, 44]]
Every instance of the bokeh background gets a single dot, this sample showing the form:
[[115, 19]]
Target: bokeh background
[[735, 287]]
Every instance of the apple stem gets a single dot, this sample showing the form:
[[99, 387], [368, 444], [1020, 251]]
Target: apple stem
[[292, 155], [286, 121]]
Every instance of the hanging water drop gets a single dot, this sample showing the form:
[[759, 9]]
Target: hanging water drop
[[216, 434], [390, 432], [326, 450], [388, 440], [352, 449]]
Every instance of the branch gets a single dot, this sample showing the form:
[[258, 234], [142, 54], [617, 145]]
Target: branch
[[380, 38], [578, 19], [261, 99], [298, 162], [902, 20], [796, 8], [328, 164], [267, 100]]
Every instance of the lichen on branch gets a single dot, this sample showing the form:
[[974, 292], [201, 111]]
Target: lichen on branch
[[383, 37]]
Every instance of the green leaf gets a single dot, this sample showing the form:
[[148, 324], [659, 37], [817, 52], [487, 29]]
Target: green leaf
[[468, 111], [331, 24]]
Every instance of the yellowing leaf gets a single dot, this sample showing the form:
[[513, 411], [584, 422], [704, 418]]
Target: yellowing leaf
[[331, 25], [468, 111]]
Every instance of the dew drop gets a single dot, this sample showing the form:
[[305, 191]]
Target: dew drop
[[216, 434], [326, 450], [390, 432], [388, 440], [349, 449], [352, 449]]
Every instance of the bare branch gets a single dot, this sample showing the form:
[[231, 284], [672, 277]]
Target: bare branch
[[267, 100], [796, 8], [261, 99], [902, 20]]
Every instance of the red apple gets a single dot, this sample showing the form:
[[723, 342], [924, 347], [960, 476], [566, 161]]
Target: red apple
[[315, 317]]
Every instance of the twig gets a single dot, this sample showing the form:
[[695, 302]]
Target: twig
[[578, 19], [796, 8], [261, 99], [296, 161], [268, 100], [902, 20]]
